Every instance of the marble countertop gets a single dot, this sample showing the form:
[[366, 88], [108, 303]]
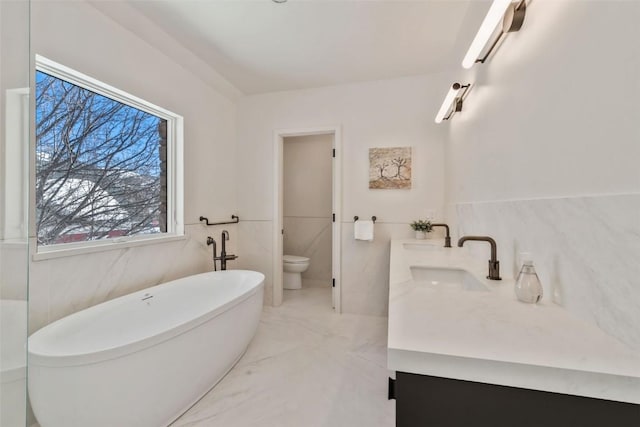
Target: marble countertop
[[491, 337]]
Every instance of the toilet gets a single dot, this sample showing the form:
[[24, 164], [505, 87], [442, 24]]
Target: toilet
[[293, 267]]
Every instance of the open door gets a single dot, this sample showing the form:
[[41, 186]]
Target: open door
[[278, 222]]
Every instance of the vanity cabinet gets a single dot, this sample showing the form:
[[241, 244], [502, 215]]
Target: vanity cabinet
[[424, 401], [468, 354]]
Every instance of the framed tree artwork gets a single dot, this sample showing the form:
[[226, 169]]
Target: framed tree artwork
[[390, 168]]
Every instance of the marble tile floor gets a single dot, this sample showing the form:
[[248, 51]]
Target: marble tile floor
[[306, 367]]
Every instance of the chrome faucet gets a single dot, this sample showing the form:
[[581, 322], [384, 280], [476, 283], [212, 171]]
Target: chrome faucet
[[494, 264], [447, 238], [223, 254]]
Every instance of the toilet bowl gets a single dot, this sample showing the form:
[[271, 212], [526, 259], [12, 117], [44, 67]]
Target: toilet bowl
[[293, 267]]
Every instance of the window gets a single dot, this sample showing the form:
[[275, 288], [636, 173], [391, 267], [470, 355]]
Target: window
[[106, 163]]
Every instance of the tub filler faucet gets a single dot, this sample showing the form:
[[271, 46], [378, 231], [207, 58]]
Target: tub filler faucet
[[211, 241], [494, 264], [224, 257], [223, 254]]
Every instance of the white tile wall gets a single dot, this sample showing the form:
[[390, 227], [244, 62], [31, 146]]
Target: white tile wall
[[255, 238], [365, 265], [586, 252], [310, 237], [61, 286]]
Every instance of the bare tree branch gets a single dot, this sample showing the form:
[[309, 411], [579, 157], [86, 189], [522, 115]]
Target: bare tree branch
[[101, 167], [399, 163]]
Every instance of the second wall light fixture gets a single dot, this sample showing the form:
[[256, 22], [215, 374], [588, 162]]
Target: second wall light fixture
[[512, 17], [452, 102]]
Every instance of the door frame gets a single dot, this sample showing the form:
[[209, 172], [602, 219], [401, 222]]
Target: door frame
[[278, 208]]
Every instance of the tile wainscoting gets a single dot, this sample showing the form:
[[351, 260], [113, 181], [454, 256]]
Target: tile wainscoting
[[365, 265], [310, 237], [585, 249], [255, 246], [61, 286]]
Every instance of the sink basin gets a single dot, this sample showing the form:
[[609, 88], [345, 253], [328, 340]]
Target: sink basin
[[421, 247], [447, 278]]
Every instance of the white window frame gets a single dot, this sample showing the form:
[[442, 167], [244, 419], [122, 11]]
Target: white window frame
[[175, 190], [16, 166]]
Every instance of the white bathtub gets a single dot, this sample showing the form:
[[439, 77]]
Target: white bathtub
[[144, 358], [13, 361]]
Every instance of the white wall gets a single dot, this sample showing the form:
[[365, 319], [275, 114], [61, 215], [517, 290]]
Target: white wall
[[80, 36], [14, 74], [307, 202], [375, 114], [14, 77], [544, 157]]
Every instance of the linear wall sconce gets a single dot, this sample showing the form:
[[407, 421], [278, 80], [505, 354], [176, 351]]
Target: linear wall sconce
[[512, 16], [452, 102]]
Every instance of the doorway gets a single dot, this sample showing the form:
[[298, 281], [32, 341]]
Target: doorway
[[307, 208]]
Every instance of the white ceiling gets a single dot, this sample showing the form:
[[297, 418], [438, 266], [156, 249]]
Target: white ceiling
[[261, 46]]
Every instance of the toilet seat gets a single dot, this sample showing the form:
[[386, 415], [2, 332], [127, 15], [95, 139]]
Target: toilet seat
[[293, 259]]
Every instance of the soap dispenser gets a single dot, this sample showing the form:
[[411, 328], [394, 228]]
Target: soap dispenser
[[528, 287]]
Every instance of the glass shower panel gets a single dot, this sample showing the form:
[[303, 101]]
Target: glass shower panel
[[14, 170]]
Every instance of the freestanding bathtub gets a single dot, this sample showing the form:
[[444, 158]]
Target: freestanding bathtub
[[143, 359]]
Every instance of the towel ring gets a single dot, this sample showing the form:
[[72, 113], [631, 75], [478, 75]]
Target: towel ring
[[373, 218]]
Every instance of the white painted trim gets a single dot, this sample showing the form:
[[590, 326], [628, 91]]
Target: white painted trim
[[277, 218], [62, 251], [337, 225], [278, 141], [175, 166], [175, 183], [15, 178], [63, 72]]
